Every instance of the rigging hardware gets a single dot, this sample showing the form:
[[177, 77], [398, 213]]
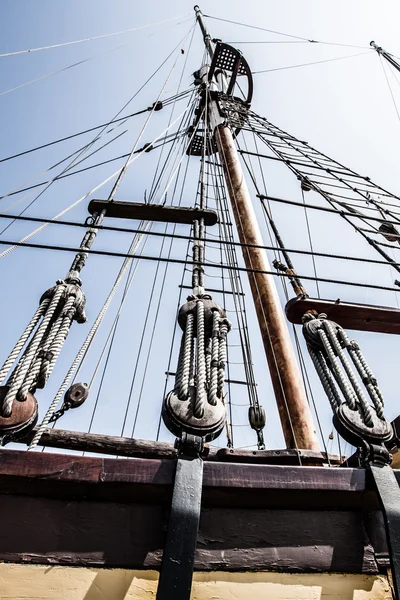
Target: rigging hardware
[[389, 232], [59, 306], [196, 404], [22, 419], [358, 422], [74, 397], [179, 551]]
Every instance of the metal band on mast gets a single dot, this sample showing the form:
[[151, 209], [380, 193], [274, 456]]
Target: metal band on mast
[[294, 411]]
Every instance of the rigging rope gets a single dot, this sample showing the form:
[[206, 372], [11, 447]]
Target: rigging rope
[[59, 306], [79, 262], [390, 88], [71, 206], [327, 342], [70, 166], [73, 135], [317, 62], [212, 265], [90, 39], [307, 153], [86, 344], [66, 68], [148, 147], [281, 33]]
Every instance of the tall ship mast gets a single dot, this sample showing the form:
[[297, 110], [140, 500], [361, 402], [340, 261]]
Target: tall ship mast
[[137, 453]]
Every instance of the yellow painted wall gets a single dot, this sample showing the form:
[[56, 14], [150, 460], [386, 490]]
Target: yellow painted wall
[[30, 582]]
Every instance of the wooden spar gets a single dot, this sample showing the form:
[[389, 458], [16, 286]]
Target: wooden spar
[[135, 448], [294, 411]]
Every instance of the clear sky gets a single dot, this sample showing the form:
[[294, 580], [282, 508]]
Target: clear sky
[[344, 108]]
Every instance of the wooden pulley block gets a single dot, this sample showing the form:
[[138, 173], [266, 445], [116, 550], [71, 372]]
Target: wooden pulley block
[[351, 426], [389, 232], [76, 395], [23, 417], [179, 418]]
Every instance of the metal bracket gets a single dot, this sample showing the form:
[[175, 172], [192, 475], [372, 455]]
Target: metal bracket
[[178, 558], [389, 497]]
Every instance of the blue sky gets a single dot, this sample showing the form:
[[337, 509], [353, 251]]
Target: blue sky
[[343, 108]]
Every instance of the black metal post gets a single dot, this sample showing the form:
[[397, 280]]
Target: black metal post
[[389, 498], [178, 559]]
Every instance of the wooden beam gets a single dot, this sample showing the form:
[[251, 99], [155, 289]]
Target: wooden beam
[[361, 317], [152, 212], [294, 411], [103, 444], [87, 533], [150, 481], [134, 448]]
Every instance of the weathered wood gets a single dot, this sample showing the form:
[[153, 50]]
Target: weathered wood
[[134, 448], [294, 411], [152, 212], [150, 481], [361, 317], [64, 509], [85, 533], [103, 444], [285, 456]]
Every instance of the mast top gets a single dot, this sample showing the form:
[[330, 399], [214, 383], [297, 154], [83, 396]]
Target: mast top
[[207, 38]]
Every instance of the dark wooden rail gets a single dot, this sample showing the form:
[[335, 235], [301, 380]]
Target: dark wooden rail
[[133, 448]]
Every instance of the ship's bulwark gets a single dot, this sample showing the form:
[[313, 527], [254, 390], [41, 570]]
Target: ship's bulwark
[[28, 582], [265, 532]]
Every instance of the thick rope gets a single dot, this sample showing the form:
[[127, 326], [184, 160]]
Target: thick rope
[[333, 367], [40, 356], [23, 338], [224, 328], [214, 367], [325, 376], [185, 360], [368, 377], [83, 349], [333, 336], [201, 393]]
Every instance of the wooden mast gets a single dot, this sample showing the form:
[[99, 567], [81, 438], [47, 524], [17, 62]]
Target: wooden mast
[[294, 411]]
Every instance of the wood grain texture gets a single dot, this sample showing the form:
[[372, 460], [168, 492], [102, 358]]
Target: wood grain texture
[[64, 509], [85, 533], [224, 484], [294, 411], [360, 317], [136, 448]]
